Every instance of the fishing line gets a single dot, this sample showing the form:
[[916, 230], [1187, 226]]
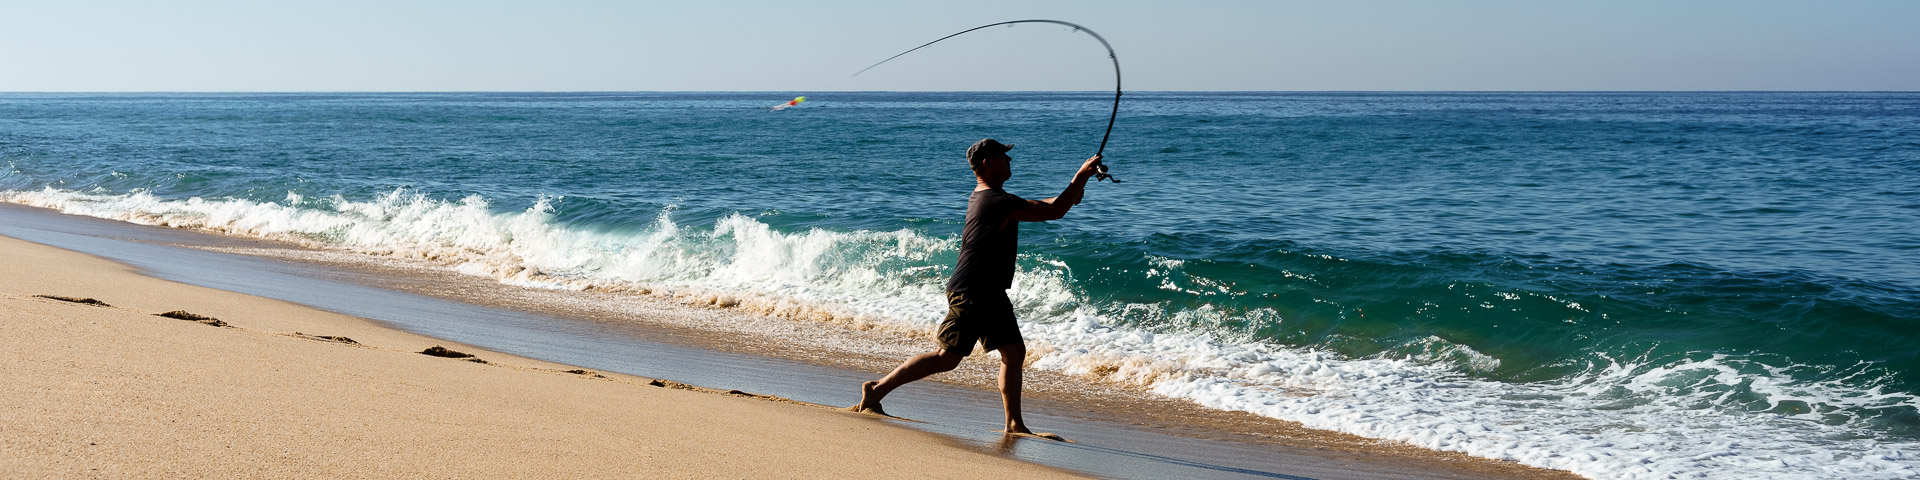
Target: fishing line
[[1102, 175]]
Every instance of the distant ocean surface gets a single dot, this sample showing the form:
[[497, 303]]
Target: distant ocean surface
[[1625, 285]]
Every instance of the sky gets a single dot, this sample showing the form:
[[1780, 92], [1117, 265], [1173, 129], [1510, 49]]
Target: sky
[[718, 45]]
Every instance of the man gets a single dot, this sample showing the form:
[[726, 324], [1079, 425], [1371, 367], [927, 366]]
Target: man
[[977, 305]]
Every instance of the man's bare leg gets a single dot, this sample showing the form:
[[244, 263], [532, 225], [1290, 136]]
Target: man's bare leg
[[918, 367], [1013, 359]]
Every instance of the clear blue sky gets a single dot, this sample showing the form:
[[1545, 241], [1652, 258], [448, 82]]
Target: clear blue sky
[[350, 45]]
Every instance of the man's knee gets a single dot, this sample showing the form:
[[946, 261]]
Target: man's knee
[[947, 360], [1014, 354]]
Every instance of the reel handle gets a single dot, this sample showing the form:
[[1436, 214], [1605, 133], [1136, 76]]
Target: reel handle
[[1102, 174]]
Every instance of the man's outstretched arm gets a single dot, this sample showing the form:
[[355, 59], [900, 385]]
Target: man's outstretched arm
[[1056, 207]]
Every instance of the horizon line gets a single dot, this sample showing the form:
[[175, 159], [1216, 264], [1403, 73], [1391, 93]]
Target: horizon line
[[939, 91]]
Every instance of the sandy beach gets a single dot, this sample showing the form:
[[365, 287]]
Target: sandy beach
[[115, 391]]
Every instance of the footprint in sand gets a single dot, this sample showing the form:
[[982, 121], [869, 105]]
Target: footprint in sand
[[439, 351], [79, 300], [327, 338], [183, 315]]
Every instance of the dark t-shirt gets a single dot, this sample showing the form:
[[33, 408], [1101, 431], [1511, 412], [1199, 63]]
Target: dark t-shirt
[[987, 242]]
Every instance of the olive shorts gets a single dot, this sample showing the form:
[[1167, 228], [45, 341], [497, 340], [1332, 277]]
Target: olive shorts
[[985, 317]]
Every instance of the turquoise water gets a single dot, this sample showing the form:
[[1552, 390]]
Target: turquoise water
[[1647, 270]]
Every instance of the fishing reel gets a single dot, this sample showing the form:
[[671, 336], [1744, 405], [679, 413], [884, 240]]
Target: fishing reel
[[1101, 173]]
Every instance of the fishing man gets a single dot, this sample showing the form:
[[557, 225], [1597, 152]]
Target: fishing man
[[978, 310]]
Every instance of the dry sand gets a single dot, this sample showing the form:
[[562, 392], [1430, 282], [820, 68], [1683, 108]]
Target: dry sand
[[117, 391]]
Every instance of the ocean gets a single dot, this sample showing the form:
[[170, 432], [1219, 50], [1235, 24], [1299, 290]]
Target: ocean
[[1623, 285]]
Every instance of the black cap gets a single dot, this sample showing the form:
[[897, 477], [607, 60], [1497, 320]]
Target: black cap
[[984, 149]]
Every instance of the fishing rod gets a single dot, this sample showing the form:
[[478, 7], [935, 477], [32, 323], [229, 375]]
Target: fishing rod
[[1102, 175]]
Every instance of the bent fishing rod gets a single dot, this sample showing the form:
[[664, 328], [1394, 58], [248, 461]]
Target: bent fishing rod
[[1102, 175]]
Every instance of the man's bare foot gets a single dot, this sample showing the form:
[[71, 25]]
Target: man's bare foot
[[868, 401], [1009, 436], [1017, 427]]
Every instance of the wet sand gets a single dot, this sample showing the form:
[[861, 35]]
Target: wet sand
[[1122, 433]]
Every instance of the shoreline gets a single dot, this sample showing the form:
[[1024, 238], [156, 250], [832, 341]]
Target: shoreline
[[1329, 452]]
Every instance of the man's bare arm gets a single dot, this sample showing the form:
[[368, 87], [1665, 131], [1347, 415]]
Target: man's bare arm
[[1057, 207]]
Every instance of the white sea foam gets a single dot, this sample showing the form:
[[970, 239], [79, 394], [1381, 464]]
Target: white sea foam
[[1627, 418]]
